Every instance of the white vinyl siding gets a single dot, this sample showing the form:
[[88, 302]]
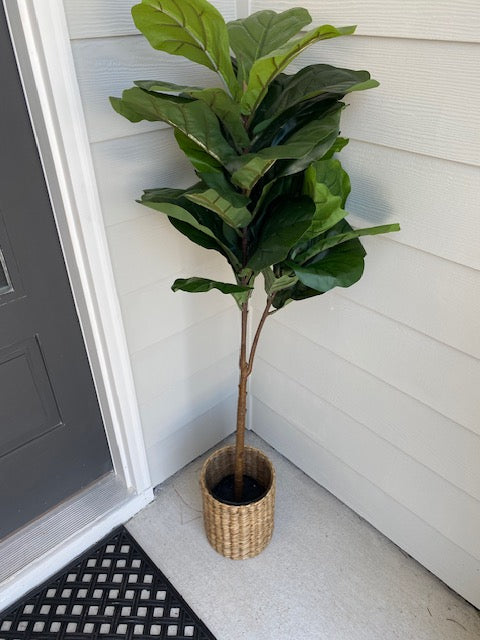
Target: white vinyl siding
[[373, 390], [183, 348]]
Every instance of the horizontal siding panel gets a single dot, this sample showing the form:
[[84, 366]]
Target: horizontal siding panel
[[127, 166], [429, 19], [170, 454], [425, 435], [179, 356], [146, 249], [450, 511], [184, 400], [107, 66], [434, 200], [448, 561], [422, 291], [93, 19], [334, 430], [441, 377], [424, 100], [453, 513], [153, 313]]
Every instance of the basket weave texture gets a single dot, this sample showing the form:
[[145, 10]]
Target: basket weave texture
[[238, 531]]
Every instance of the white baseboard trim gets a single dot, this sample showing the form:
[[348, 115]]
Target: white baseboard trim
[[454, 566], [56, 557]]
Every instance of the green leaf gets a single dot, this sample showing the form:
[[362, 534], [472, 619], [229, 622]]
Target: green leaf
[[318, 135], [236, 217], [193, 29], [286, 222], [163, 200], [328, 185], [262, 32], [318, 81], [241, 293], [222, 105], [197, 237], [192, 117], [125, 110], [251, 169], [274, 284], [337, 146], [304, 147], [202, 161], [265, 69], [342, 266], [161, 86], [227, 110], [322, 244], [326, 130], [331, 173], [298, 292]]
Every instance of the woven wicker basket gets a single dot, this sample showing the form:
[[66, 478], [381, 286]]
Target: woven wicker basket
[[238, 531]]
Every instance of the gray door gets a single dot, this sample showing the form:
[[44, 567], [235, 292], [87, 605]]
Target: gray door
[[52, 440]]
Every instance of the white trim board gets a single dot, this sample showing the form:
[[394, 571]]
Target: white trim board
[[42, 47], [44, 55]]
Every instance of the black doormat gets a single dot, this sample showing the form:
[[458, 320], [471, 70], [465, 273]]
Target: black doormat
[[112, 592]]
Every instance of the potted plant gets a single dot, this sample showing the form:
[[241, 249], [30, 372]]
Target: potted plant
[[270, 197]]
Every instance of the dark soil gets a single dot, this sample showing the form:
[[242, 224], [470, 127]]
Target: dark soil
[[224, 491]]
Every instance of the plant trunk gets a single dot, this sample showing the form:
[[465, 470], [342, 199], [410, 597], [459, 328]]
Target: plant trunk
[[241, 408], [246, 366]]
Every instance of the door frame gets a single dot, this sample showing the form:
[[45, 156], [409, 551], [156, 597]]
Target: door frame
[[42, 48]]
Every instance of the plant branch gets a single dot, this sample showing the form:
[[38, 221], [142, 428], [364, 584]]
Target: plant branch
[[265, 315]]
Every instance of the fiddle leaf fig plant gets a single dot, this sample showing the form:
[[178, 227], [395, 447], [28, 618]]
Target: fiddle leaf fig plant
[[271, 192]]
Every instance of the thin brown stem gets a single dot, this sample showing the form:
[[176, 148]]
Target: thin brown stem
[[256, 338]]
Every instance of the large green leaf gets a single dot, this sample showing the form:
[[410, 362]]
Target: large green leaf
[[318, 135], [222, 105], [235, 216], [262, 32], [286, 222], [197, 237], [297, 292], [265, 69], [193, 29], [327, 242], [167, 201], [331, 173], [221, 231], [251, 169], [326, 138], [162, 86], [328, 211], [241, 293], [339, 144], [192, 117], [328, 185], [228, 111], [316, 81], [341, 266], [202, 161], [305, 146], [274, 284]]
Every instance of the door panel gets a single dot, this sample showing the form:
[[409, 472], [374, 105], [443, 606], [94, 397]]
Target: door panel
[[52, 439]]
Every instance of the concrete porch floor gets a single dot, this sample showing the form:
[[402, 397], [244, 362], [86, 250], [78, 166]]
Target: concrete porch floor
[[326, 575]]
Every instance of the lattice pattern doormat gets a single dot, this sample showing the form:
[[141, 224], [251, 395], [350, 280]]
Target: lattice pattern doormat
[[112, 592]]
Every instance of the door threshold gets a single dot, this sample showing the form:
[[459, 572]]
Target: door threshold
[[37, 551]]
